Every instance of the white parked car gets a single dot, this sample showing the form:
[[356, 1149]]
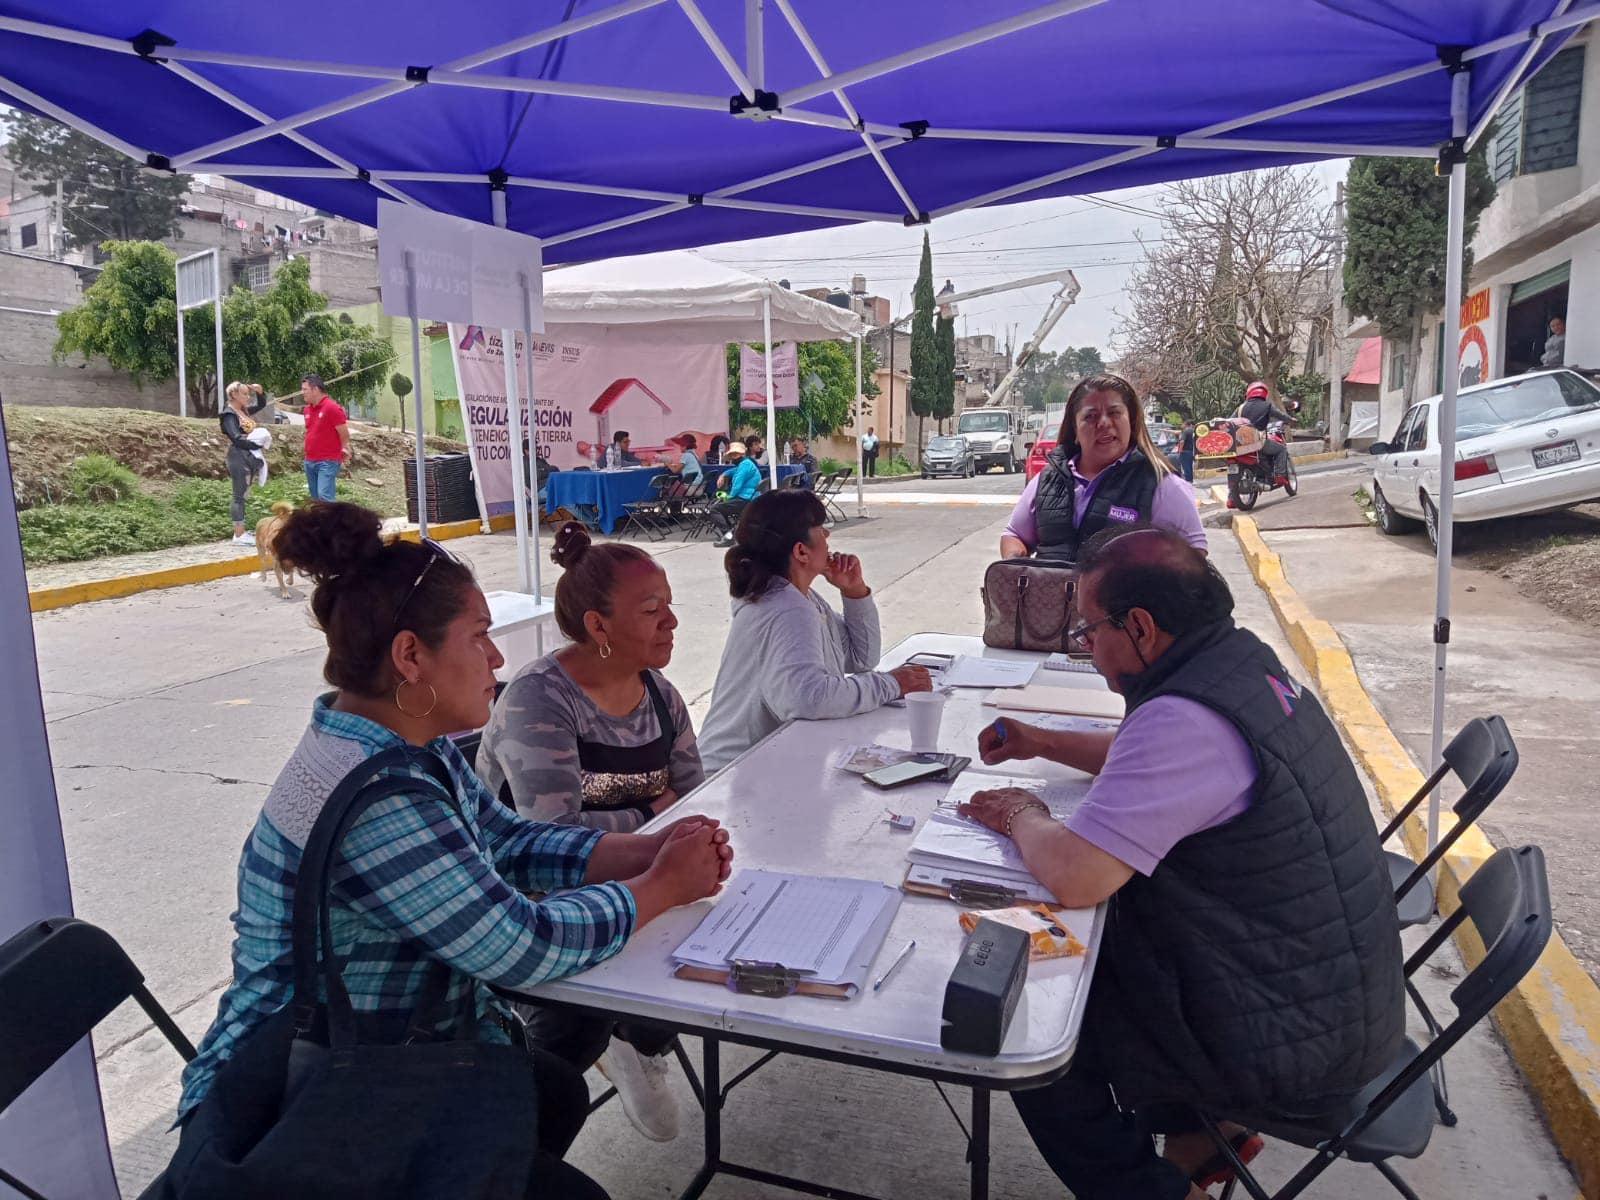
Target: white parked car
[[1527, 444]]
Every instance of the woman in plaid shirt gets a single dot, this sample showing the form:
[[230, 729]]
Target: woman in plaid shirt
[[410, 656]]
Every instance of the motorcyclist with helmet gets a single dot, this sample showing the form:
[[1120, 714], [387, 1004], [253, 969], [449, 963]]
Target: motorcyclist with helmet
[[1259, 410]]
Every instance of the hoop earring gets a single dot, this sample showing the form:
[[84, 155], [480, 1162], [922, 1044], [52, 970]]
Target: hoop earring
[[605, 649], [433, 700]]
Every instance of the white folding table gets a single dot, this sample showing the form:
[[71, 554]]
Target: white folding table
[[788, 807]]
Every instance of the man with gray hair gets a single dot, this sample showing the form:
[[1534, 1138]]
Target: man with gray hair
[[1251, 959]]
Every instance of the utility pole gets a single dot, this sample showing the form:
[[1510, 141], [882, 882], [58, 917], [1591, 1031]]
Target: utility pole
[[1339, 322], [60, 224]]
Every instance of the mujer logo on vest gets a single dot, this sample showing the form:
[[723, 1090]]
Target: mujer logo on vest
[[1121, 512], [1287, 693]]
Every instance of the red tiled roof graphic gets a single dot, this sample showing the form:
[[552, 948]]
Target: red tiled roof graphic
[[620, 388]]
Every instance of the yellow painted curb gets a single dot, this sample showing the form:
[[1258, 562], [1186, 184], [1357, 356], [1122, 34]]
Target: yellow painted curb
[[1551, 1021], [42, 599]]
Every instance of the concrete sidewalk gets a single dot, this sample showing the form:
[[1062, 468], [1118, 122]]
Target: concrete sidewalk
[[171, 712]]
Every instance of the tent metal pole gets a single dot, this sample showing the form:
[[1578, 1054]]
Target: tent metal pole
[[372, 95], [849, 109], [755, 41], [861, 419], [580, 91], [1343, 149], [183, 394], [805, 116], [820, 164], [216, 292], [1515, 79], [960, 41], [416, 392], [1460, 92], [533, 434], [508, 361], [802, 210], [1321, 98], [1033, 185], [573, 235], [723, 55], [772, 406], [71, 120], [1534, 33]]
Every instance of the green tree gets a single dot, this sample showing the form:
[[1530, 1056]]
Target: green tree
[[401, 387], [924, 396], [1397, 225], [1084, 361], [944, 332], [107, 195], [129, 317], [823, 408]]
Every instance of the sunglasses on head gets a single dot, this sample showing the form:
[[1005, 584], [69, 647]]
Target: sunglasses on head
[[435, 553]]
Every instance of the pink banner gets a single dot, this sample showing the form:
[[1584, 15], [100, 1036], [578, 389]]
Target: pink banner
[[785, 377], [583, 396]]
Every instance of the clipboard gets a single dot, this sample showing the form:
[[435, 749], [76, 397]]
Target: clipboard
[[973, 888], [765, 979]]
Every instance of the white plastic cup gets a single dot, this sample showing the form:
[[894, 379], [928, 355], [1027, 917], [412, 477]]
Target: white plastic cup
[[925, 710]]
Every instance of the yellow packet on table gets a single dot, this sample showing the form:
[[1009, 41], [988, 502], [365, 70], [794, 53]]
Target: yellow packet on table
[[1048, 936]]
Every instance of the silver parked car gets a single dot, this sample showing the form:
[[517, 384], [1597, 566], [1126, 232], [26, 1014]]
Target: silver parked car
[[1526, 444], [949, 456]]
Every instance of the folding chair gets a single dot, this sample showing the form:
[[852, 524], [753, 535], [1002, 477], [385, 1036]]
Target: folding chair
[[650, 513], [694, 510], [59, 978], [829, 490], [794, 482], [1508, 903], [1484, 758]]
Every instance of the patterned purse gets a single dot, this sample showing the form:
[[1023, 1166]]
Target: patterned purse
[[1028, 604]]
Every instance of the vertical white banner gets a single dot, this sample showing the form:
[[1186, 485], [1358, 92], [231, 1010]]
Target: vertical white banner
[[785, 376], [53, 1139], [481, 379]]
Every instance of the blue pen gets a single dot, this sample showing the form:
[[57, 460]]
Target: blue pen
[[999, 731]]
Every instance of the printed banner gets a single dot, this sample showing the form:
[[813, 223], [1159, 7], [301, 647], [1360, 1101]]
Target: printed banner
[[785, 377], [583, 396], [461, 270]]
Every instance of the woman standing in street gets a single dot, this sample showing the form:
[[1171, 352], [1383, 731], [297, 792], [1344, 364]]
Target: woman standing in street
[[243, 464]]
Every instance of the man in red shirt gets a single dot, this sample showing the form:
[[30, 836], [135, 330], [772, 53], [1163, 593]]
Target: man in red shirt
[[327, 437]]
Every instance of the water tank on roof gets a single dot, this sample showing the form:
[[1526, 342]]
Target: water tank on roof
[[858, 285]]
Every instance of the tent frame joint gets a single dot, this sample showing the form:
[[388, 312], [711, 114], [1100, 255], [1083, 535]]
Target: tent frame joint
[[915, 128], [1453, 58], [417, 74], [764, 107], [145, 44], [498, 178], [364, 175], [696, 198], [1450, 153], [921, 218], [1441, 631], [1167, 141], [159, 162]]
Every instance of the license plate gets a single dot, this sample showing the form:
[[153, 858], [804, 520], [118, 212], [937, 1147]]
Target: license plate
[[1554, 456], [1233, 470]]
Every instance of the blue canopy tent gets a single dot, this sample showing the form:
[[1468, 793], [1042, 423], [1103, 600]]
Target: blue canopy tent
[[608, 129]]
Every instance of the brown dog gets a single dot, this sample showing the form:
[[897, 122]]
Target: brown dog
[[266, 533]]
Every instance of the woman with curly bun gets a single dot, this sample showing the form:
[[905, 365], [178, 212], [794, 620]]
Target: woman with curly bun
[[593, 735], [415, 881], [789, 656]]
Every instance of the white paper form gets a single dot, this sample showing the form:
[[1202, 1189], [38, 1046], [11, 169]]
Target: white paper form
[[817, 925], [971, 671], [950, 840]]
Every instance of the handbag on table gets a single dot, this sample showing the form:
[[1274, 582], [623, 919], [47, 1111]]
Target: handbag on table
[[1028, 604], [321, 1104]]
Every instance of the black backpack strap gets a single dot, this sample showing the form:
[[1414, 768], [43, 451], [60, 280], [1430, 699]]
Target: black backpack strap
[[368, 784]]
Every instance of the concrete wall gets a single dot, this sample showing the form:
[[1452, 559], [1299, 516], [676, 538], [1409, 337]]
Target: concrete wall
[[28, 376], [29, 281]]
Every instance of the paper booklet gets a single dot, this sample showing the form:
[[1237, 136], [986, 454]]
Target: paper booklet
[[1082, 702], [971, 671], [956, 845], [823, 933]]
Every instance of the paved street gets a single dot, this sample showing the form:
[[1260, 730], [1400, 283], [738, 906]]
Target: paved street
[[1509, 654], [170, 713]]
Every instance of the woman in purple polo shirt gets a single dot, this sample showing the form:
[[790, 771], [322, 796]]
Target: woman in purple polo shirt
[[1104, 472]]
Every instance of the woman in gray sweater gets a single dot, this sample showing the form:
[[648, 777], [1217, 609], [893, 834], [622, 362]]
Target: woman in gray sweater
[[789, 656]]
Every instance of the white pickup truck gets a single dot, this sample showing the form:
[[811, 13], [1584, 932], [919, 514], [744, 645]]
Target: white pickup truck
[[996, 436]]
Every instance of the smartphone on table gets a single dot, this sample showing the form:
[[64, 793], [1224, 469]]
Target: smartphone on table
[[906, 772]]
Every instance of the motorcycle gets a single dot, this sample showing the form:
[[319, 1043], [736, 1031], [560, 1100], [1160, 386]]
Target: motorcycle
[[1249, 478]]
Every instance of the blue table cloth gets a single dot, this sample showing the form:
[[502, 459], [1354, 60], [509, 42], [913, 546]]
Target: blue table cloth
[[597, 497], [784, 471]]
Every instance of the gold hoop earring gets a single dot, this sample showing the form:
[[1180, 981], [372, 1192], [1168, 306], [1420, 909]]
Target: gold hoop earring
[[433, 700], [605, 649]]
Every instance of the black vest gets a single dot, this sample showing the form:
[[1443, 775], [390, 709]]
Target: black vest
[[1258, 969], [1124, 493]]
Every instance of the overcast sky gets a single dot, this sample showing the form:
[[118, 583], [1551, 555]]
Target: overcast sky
[[1093, 235]]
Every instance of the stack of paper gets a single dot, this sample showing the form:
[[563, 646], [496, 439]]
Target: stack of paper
[[829, 929], [951, 846], [971, 671], [1076, 701]]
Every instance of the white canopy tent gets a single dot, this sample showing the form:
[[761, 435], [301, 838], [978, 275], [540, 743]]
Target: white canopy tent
[[678, 296]]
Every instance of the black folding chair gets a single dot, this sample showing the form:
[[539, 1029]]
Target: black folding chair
[[1508, 903], [650, 514], [59, 978], [828, 491], [1484, 758], [794, 482], [693, 510]]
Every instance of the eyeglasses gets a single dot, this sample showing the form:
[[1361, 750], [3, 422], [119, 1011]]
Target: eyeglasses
[[436, 553], [1084, 634]]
